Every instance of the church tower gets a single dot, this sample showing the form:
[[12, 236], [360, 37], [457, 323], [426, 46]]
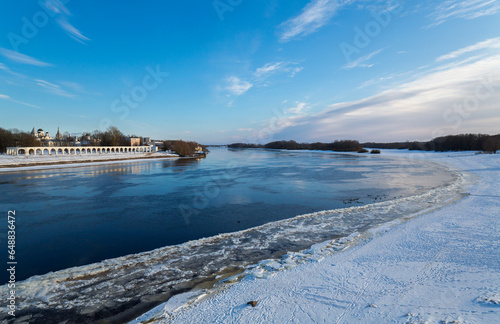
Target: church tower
[[59, 136]]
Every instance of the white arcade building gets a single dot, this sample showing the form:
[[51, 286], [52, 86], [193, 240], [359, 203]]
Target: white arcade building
[[72, 150]]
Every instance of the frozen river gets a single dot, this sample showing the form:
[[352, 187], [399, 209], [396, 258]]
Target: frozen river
[[75, 216]]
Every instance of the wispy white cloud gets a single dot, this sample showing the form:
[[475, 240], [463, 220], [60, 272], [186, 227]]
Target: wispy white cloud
[[62, 20], [290, 117], [295, 70], [57, 7], [315, 15], [237, 86], [75, 87], [362, 61], [463, 9], [385, 78], [5, 68], [480, 50], [67, 89], [379, 5], [259, 78], [22, 58], [492, 43], [6, 97], [413, 110], [71, 30], [275, 67], [300, 108], [268, 69], [54, 88]]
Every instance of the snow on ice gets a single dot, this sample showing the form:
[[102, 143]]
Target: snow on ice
[[440, 267]]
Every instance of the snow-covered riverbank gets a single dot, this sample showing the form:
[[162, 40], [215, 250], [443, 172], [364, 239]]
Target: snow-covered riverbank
[[440, 267], [28, 162]]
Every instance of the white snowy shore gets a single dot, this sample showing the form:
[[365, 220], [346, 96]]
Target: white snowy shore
[[440, 267], [33, 162]]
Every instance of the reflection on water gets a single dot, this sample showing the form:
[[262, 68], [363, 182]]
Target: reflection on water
[[74, 216]]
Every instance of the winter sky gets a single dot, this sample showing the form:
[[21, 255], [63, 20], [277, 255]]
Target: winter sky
[[251, 70]]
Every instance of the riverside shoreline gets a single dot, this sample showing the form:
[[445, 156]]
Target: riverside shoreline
[[8, 163], [442, 266], [124, 287]]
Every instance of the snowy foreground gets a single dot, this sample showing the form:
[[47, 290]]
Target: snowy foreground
[[440, 267], [23, 162]]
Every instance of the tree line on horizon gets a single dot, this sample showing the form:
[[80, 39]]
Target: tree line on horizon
[[182, 148], [114, 137], [338, 146], [15, 137], [463, 142]]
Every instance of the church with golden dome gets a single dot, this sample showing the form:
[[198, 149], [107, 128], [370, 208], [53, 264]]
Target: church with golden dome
[[45, 137]]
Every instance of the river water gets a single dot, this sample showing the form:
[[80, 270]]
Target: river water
[[68, 217]]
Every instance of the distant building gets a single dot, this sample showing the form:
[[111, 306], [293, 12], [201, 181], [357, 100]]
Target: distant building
[[41, 135], [85, 139], [134, 141], [46, 140], [59, 136], [146, 140]]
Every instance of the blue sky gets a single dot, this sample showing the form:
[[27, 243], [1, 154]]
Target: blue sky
[[254, 71]]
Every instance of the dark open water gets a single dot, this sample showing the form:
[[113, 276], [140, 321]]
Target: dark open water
[[74, 216]]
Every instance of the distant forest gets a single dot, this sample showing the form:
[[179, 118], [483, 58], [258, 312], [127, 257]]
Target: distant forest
[[183, 148], [464, 142], [10, 138], [338, 146]]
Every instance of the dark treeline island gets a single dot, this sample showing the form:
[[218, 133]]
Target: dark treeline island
[[183, 148], [337, 146], [464, 142]]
